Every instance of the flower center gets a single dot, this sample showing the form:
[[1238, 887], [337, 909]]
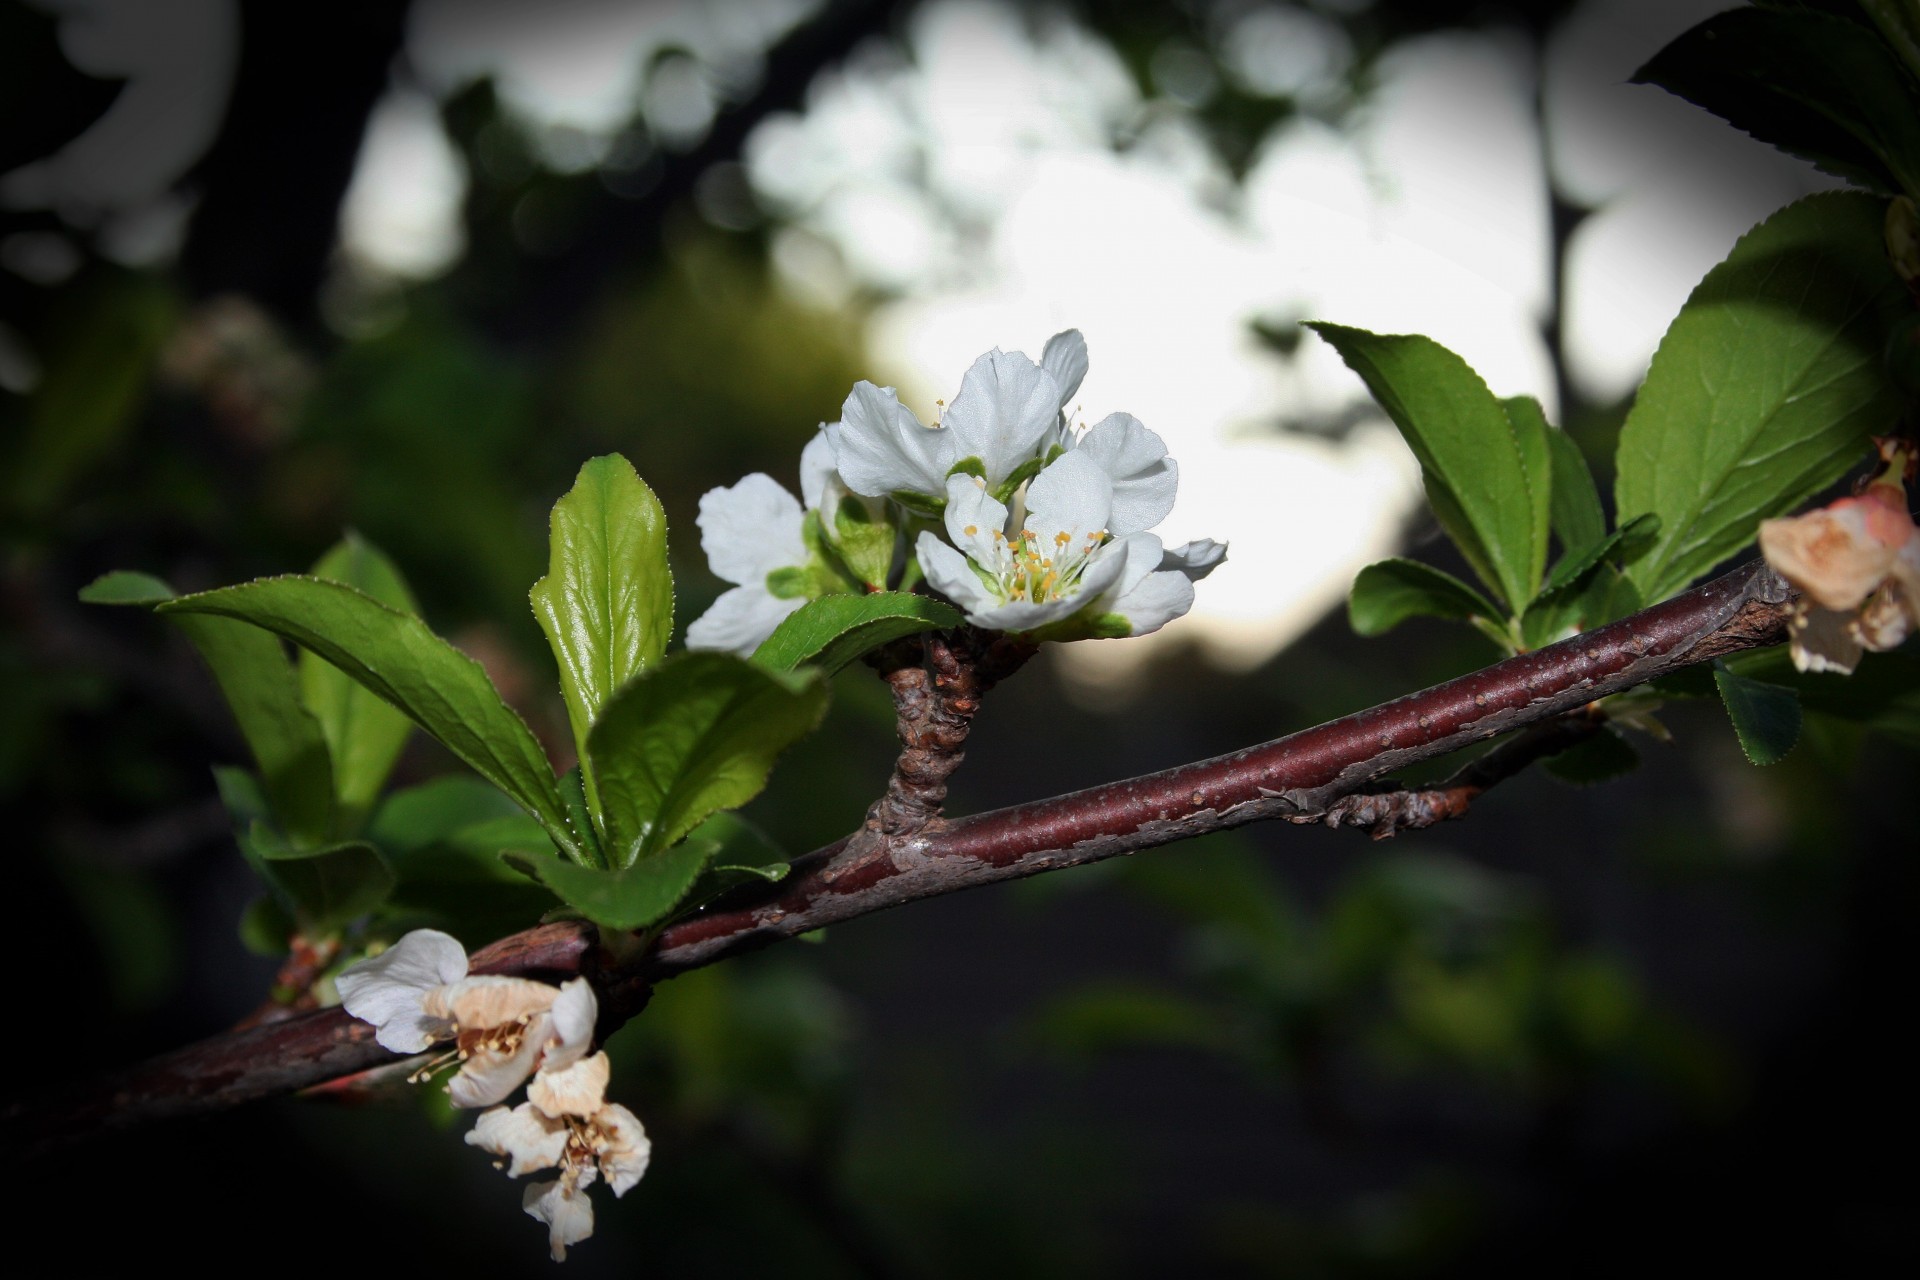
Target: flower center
[[1038, 569]]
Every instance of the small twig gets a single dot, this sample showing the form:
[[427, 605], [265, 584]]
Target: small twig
[[937, 682], [1389, 811]]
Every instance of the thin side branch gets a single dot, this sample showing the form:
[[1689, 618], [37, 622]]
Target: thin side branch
[[1318, 775]]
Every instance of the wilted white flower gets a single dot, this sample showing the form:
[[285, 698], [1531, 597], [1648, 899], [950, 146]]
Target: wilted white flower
[[1857, 563], [416, 993], [567, 1124]]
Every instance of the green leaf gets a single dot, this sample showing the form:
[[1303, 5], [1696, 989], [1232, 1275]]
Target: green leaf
[[1388, 592], [1601, 758], [744, 854], [1766, 717], [1486, 470], [696, 734], [1817, 85], [863, 540], [632, 897], [1533, 439], [124, 586], [1765, 389], [835, 630], [580, 815], [1574, 594], [326, 886], [364, 735], [417, 816], [395, 655], [606, 603], [257, 681], [1577, 517]]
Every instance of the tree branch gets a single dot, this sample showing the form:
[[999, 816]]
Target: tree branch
[[1317, 775]]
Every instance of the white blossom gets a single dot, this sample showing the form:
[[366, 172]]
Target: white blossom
[[1003, 417], [1022, 579], [389, 989], [756, 535]]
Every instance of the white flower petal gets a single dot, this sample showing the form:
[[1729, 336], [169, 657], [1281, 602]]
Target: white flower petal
[[388, 990], [1142, 555], [880, 448], [576, 1090], [1006, 407], [1196, 559], [1144, 477], [491, 1000], [817, 475], [751, 528], [950, 573], [1073, 495], [566, 1210], [623, 1158], [740, 619], [575, 1010], [489, 1075], [973, 517], [525, 1137], [1065, 360], [1154, 601]]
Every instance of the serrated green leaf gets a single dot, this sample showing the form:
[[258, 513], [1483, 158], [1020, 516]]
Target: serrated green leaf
[[1766, 717], [1532, 438], [1574, 593], [1820, 86], [395, 655], [1765, 389], [258, 684], [124, 586], [697, 733], [1601, 758], [631, 897], [1486, 471], [1882, 694], [1388, 592], [606, 602], [1577, 517], [364, 735], [835, 630]]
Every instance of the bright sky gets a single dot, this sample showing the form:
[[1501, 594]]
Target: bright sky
[[973, 179]]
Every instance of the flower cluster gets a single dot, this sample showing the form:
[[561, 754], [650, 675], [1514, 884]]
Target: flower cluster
[[505, 1030], [1025, 523], [1857, 565]]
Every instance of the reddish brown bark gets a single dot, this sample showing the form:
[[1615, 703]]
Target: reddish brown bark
[[1325, 774]]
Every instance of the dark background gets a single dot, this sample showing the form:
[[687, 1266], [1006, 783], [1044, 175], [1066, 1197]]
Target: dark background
[[1650, 1024]]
